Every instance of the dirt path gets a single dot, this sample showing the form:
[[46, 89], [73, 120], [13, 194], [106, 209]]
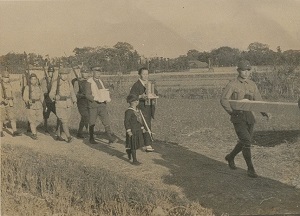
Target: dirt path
[[199, 178]]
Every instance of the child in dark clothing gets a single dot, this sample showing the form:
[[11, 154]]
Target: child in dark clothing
[[134, 128]]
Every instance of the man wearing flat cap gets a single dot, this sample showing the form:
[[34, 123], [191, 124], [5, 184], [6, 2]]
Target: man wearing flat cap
[[7, 104], [62, 93], [242, 88], [82, 102], [98, 97], [33, 96]]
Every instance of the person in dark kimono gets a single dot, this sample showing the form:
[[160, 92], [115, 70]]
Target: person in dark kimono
[[82, 102], [134, 128], [148, 110]]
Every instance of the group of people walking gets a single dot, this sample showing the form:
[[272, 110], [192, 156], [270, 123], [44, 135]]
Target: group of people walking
[[57, 95]]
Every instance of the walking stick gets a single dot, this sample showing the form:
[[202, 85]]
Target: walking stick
[[147, 127]]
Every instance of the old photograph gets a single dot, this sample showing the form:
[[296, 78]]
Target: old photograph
[[150, 107]]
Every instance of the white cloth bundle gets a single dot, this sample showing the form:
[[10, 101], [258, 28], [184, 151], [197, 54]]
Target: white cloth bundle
[[100, 95]]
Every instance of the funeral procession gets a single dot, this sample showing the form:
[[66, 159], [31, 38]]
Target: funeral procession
[[137, 108]]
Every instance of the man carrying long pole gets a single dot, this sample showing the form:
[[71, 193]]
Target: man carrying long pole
[[243, 121]]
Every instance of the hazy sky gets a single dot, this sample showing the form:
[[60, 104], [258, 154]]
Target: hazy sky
[[166, 28]]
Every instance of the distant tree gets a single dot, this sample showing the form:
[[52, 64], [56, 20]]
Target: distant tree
[[258, 47], [14, 62], [292, 57], [225, 56], [193, 54], [123, 46], [80, 51], [260, 54], [120, 58], [127, 57], [204, 56]]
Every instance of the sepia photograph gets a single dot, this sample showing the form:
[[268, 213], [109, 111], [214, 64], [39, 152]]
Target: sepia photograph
[[150, 107]]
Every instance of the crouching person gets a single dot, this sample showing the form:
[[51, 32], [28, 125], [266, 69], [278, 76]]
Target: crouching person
[[34, 98], [62, 93]]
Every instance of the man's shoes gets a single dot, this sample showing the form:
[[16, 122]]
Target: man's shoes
[[17, 133], [59, 138], [70, 139], [149, 148], [230, 161], [80, 136], [136, 163], [93, 141], [252, 173], [111, 138], [34, 137], [1, 134]]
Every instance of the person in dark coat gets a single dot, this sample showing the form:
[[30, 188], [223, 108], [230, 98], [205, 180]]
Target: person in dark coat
[[148, 110], [82, 102], [134, 128]]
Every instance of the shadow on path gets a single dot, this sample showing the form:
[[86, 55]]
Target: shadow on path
[[273, 138], [104, 146], [215, 186]]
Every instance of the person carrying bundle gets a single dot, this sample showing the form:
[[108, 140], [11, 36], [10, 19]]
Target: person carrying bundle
[[146, 104], [98, 97], [243, 121]]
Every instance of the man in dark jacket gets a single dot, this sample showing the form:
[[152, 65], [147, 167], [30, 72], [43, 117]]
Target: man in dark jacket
[[82, 102]]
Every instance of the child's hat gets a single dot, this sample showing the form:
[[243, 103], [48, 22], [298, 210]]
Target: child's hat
[[131, 98]]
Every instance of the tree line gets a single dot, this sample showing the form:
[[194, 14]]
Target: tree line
[[123, 58]]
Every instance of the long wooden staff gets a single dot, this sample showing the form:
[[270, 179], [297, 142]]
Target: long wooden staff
[[70, 63], [147, 127]]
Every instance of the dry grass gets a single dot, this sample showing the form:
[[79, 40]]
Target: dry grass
[[39, 184]]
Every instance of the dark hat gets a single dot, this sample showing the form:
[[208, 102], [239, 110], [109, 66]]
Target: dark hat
[[33, 75], [97, 69], [84, 69], [5, 74], [64, 70], [131, 98], [50, 68], [244, 65]]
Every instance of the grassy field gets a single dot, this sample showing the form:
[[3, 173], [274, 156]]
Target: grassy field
[[187, 174]]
